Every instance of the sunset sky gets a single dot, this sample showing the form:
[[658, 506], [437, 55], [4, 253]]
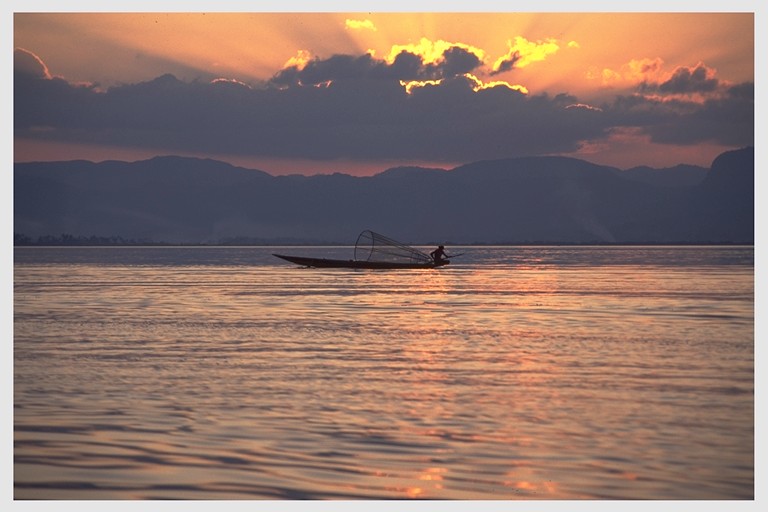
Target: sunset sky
[[359, 92]]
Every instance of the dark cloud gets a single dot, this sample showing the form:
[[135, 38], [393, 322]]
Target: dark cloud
[[338, 67], [686, 81], [27, 63], [726, 118], [507, 63], [457, 61], [357, 108], [406, 66]]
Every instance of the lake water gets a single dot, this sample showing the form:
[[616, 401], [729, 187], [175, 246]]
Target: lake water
[[515, 373]]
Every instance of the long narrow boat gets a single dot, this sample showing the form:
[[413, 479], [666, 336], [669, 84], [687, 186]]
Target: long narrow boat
[[373, 251], [331, 263]]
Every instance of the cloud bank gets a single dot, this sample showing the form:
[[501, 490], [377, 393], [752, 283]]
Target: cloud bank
[[428, 106]]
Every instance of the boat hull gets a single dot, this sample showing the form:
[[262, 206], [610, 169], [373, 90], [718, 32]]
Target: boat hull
[[331, 263]]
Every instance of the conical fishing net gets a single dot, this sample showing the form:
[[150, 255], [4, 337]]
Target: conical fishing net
[[372, 246]]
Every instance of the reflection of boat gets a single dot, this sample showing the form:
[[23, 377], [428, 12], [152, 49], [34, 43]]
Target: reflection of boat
[[373, 251]]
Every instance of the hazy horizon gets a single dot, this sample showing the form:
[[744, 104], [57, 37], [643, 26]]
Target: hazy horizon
[[372, 169]]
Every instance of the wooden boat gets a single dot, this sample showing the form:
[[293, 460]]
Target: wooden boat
[[331, 263], [373, 251]]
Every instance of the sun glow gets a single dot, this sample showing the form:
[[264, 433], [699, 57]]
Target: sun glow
[[476, 84], [635, 71], [360, 25], [230, 81], [523, 52], [479, 85], [431, 52], [299, 61], [410, 85]]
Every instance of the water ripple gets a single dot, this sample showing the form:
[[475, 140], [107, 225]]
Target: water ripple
[[519, 373]]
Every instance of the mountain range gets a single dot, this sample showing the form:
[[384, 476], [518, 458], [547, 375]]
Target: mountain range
[[510, 201]]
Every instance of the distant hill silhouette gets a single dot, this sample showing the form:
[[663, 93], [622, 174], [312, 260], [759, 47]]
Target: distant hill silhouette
[[520, 200], [678, 176]]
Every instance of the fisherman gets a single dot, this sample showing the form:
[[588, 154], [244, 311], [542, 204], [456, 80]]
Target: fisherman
[[438, 254]]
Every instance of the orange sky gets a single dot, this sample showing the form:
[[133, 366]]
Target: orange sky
[[111, 48], [591, 56], [591, 51]]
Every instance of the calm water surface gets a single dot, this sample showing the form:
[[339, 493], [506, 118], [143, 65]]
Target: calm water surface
[[514, 373]]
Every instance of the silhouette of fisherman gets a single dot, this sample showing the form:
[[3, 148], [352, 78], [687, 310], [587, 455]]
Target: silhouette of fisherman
[[438, 254]]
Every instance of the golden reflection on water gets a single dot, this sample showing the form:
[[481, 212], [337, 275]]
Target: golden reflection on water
[[472, 382]]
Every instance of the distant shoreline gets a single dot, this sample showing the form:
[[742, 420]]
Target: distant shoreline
[[332, 244]]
